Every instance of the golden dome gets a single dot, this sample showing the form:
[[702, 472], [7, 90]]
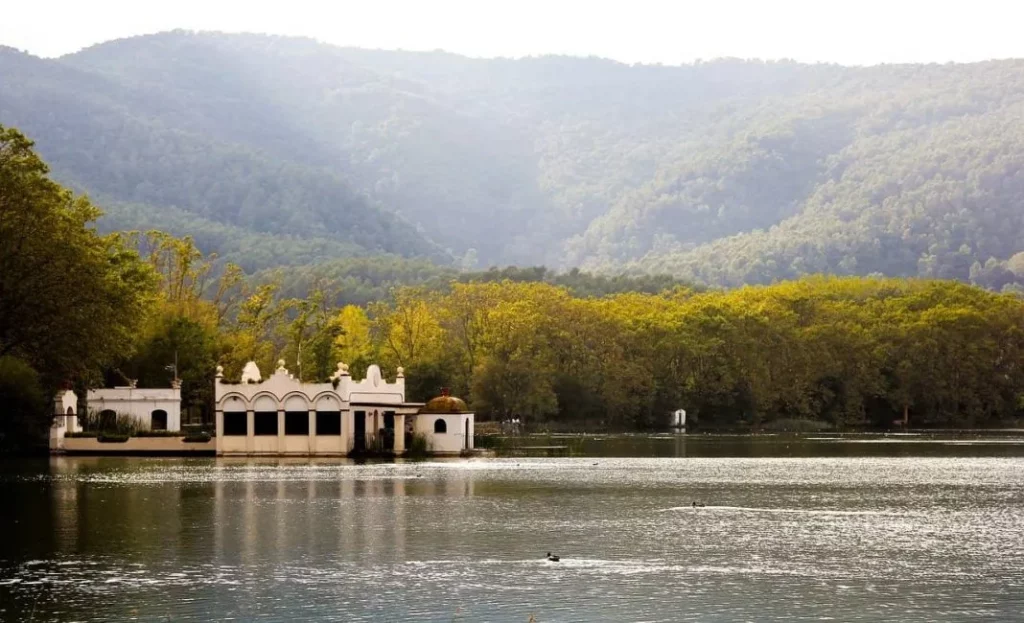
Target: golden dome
[[445, 404]]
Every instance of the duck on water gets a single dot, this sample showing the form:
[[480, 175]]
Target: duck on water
[[552, 558]]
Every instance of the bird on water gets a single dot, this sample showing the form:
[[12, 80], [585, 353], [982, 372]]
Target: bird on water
[[552, 558]]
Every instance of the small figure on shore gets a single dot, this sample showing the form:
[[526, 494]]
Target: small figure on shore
[[552, 558]]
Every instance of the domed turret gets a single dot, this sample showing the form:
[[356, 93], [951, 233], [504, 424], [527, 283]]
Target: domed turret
[[445, 403]]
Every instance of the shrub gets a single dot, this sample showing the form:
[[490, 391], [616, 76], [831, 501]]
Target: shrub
[[418, 445], [123, 424], [487, 441], [156, 433], [201, 437], [24, 419], [84, 433], [111, 438], [797, 426]]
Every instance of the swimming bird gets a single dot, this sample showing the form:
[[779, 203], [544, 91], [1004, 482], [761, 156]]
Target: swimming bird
[[696, 505], [552, 558]]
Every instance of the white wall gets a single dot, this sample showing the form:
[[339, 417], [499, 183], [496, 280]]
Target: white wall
[[139, 403], [65, 418], [451, 442], [373, 388]]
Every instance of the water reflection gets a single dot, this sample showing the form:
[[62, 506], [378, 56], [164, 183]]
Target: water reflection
[[243, 511], [868, 538]]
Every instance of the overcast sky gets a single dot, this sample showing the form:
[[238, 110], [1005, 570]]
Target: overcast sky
[[849, 32]]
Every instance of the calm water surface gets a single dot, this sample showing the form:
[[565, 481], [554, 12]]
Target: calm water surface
[[851, 529]]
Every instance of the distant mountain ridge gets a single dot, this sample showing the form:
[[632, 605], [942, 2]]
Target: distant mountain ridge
[[726, 172]]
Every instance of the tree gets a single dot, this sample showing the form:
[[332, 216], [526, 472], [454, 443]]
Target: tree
[[23, 423], [70, 299], [353, 344]]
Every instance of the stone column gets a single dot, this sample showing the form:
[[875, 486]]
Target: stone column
[[280, 431], [346, 431], [399, 434], [219, 421], [312, 431], [250, 431]]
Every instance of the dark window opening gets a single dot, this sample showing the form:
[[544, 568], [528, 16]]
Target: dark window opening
[[389, 420], [158, 420], [236, 424], [108, 419], [296, 423], [440, 426], [328, 422], [359, 423], [264, 423]]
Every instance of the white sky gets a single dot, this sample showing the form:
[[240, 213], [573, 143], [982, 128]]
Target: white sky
[[671, 32]]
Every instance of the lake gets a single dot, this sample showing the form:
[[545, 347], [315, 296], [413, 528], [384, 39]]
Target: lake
[[899, 528]]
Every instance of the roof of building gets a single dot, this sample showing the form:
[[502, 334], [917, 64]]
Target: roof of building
[[445, 404]]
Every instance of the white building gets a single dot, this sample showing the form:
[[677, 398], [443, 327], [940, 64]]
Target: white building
[[446, 423], [283, 416], [152, 408], [65, 418]]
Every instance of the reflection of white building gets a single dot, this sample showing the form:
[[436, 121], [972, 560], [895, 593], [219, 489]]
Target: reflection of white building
[[152, 408], [283, 416]]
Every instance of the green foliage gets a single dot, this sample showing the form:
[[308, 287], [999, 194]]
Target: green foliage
[[363, 281], [418, 446], [24, 415], [156, 433], [112, 438], [70, 299], [814, 354], [120, 425], [161, 152]]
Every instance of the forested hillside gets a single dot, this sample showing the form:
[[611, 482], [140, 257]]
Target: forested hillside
[[568, 349], [278, 151]]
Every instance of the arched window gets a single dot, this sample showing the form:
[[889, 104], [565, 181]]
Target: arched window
[[158, 420], [108, 420], [440, 426]]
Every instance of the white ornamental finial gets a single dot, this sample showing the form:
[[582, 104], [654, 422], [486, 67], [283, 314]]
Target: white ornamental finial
[[340, 372], [280, 364], [401, 372]]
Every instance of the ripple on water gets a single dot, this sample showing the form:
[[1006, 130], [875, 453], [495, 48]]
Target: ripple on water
[[871, 538]]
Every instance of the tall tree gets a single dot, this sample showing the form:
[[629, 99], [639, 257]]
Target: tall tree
[[70, 299]]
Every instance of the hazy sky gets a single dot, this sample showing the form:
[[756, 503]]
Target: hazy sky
[[847, 31]]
